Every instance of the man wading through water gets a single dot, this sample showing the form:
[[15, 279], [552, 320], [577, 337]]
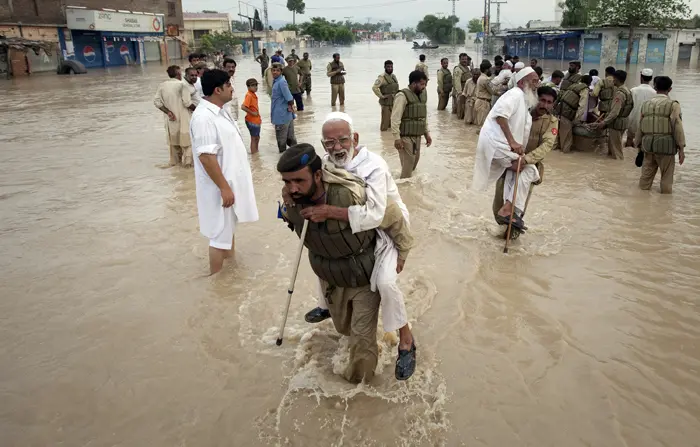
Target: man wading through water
[[342, 260], [386, 87], [384, 211]]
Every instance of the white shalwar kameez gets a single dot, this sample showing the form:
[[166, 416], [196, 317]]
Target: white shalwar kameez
[[198, 87], [380, 189], [493, 153], [215, 132]]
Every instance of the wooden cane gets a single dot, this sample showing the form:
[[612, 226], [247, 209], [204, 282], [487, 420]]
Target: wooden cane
[[292, 280], [512, 211]]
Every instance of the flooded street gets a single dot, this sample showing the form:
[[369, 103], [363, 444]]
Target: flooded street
[[587, 334]]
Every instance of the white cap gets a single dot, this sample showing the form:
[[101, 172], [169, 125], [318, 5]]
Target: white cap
[[647, 72], [522, 73], [519, 66], [508, 64]]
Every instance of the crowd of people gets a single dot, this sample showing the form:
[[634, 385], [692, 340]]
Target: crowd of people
[[346, 205]]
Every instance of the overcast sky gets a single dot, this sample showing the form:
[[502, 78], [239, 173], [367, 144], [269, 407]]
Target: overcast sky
[[398, 12]]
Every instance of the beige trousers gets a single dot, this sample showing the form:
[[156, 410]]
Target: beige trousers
[[444, 98], [337, 90], [566, 135], [181, 155], [653, 163], [409, 155], [469, 111], [355, 313], [481, 111], [459, 109], [614, 143], [386, 118]]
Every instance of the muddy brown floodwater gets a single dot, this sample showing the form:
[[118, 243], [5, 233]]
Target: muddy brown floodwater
[[585, 335]]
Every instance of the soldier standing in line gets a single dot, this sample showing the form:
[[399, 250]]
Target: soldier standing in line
[[605, 90], [336, 71], [409, 122], [386, 87], [460, 76], [660, 136], [616, 120], [572, 76], [304, 65], [571, 108], [444, 84]]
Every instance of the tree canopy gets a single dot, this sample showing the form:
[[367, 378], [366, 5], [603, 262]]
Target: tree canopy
[[576, 12], [658, 14], [224, 41], [440, 29], [475, 26], [324, 31], [297, 7]]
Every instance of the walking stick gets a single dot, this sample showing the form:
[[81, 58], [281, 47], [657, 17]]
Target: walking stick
[[512, 211], [292, 280]]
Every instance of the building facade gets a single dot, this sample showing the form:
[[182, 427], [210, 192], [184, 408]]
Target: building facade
[[98, 33], [197, 24]]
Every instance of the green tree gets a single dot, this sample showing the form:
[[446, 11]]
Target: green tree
[[440, 29], [693, 23], [632, 14], [289, 27], [224, 41], [324, 31], [576, 12], [408, 33], [475, 26], [240, 26], [297, 7]]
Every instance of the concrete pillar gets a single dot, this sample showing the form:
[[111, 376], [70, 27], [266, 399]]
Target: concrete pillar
[[694, 53], [642, 53]]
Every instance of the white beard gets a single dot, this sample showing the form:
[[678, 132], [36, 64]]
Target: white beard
[[342, 158], [530, 97]]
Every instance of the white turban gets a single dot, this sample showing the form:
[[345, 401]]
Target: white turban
[[519, 66], [523, 73], [508, 64]]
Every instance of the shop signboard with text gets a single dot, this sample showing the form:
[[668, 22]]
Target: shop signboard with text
[[87, 19]]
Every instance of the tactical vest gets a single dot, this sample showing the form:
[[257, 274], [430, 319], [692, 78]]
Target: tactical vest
[[339, 78], [446, 80], [413, 118], [570, 81], [304, 66], [621, 122], [569, 100], [466, 74], [336, 255], [657, 132], [390, 88], [606, 95]]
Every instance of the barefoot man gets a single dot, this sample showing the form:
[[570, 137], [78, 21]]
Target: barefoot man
[[501, 144], [223, 180]]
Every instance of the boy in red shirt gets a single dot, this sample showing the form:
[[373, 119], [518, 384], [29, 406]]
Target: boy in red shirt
[[252, 118]]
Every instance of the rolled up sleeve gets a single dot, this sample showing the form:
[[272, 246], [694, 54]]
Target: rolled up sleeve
[[204, 139]]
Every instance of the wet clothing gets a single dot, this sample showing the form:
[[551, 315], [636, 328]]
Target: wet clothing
[[386, 85], [409, 129], [617, 120], [444, 87], [541, 141], [640, 94], [214, 132], [572, 106], [482, 103], [605, 91], [264, 60], [334, 72], [469, 101], [174, 96], [660, 135], [305, 70], [493, 152], [460, 76]]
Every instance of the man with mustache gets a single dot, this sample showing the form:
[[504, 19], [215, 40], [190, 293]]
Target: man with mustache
[[348, 161], [460, 76], [501, 142], [386, 87], [468, 95], [341, 254], [542, 139], [572, 76], [409, 122]]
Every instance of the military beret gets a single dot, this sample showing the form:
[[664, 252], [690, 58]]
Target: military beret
[[296, 157]]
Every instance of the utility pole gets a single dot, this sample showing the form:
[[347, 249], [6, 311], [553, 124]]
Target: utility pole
[[267, 26], [487, 20], [250, 21], [454, 27], [498, 4]]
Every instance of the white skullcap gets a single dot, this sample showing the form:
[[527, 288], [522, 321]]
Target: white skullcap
[[647, 72], [522, 73], [519, 66], [338, 116], [508, 64]]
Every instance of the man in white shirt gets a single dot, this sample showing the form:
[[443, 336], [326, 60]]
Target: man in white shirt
[[499, 84], [640, 94], [223, 180], [511, 82], [501, 143], [189, 81]]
